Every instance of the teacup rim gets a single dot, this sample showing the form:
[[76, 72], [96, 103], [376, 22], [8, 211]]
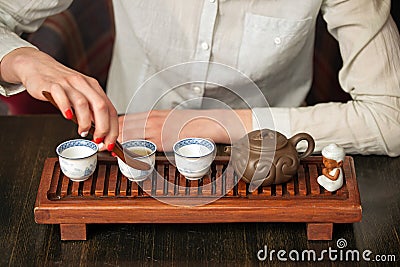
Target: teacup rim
[[141, 140], [193, 157], [70, 158]]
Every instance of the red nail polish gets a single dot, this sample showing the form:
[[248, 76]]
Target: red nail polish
[[110, 147], [68, 114], [98, 140], [113, 154]]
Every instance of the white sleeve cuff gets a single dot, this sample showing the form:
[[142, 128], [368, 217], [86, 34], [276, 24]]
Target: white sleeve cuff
[[9, 42], [8, 89], [277, 119]]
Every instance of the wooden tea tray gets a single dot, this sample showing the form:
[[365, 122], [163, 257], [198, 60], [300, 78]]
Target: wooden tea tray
[[167, 197]]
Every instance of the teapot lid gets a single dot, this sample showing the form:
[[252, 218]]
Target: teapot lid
[[266, 140]]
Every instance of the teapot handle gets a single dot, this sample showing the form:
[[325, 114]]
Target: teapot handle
[[310, 143]]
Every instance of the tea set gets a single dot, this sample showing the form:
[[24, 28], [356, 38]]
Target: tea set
[[193, 157], [262, 157], [147, 150], [77, 158], [268, 156]]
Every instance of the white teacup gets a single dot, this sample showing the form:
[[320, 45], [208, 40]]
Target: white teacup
[[78, 158], [142, 147], [193, 157]]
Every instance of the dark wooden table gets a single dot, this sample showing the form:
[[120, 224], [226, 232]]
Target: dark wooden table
[[26, 141]]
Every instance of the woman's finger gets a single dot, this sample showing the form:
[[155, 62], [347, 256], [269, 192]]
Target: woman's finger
[[91, 103], [113, 133], [62, 101], [81, 109]]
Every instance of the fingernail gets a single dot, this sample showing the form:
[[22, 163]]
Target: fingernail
[[84, 134], [98, 140], [110, 147], [68, 114], [113, 154], [101, 145]]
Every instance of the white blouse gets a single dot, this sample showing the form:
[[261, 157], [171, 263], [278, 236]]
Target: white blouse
[[162, 50]]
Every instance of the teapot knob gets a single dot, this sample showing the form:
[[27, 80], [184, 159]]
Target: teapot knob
[[264, 134]]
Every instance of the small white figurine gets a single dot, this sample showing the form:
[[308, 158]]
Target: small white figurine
[[332, 175]]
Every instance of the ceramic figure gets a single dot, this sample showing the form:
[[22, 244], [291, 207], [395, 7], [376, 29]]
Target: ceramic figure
[[332, 173]]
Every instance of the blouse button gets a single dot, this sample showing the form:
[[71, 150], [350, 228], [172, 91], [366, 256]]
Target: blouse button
[[277, 40], [197, 89], [205, 46]]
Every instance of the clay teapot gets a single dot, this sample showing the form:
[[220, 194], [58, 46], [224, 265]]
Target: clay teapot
[[265, 157]]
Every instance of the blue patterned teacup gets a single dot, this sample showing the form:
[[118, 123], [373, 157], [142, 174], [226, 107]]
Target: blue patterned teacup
[[147, 150], [193, 157], [78, 158]]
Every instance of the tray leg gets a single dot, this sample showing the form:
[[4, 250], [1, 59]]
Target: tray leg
[[319, 231], [73, 231]]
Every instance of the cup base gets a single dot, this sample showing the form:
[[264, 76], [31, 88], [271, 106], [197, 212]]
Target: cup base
[[139, 179], [194, 175], [193, 178], [79, 179]]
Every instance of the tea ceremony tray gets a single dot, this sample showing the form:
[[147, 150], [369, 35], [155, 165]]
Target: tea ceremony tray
[[167, 197]]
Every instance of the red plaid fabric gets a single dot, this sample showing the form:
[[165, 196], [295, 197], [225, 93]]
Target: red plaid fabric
[[81, 38]]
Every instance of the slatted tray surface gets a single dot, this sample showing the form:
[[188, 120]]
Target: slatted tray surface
[[167, 197], [222, 181]]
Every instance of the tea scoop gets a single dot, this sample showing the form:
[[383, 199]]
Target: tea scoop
[[125, 155]]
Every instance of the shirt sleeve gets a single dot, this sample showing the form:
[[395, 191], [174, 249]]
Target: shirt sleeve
[[20, 16], [369, 45]]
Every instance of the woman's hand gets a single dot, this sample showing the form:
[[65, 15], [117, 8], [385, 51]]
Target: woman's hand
[[165, 127], [71, 90]]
